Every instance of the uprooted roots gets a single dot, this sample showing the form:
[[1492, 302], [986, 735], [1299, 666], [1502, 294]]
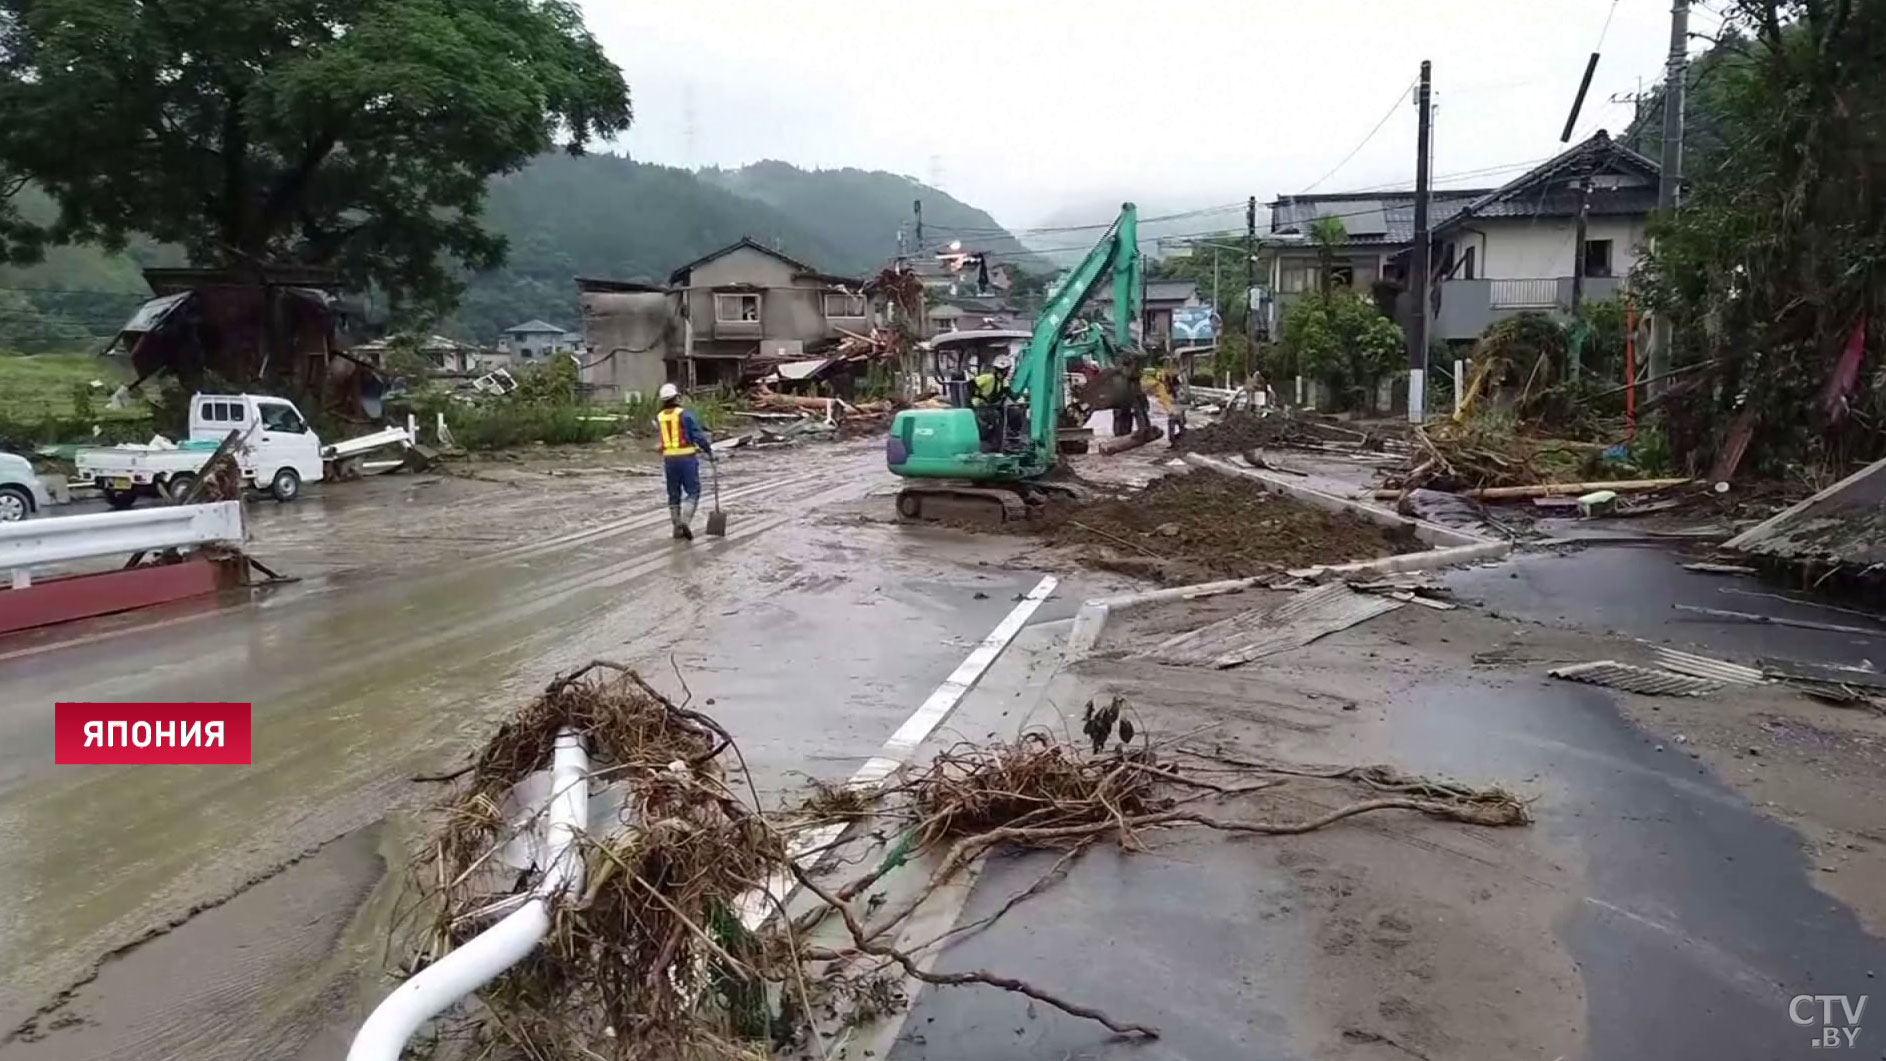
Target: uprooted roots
[[663, 954]]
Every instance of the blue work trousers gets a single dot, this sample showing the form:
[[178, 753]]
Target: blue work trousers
[[684, 477]]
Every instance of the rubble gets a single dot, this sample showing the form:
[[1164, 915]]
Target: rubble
[[658, 958], [1199, 525], [1239, 432]]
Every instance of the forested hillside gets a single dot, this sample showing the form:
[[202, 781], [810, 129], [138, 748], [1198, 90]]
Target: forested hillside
[[598, 215]]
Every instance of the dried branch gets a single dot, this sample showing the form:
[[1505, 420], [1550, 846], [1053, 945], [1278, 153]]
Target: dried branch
[[865, 944]]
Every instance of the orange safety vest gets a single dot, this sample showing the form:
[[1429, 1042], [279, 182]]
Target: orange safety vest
[[674, 441]]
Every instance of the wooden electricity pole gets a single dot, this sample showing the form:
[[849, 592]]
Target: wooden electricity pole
[[1670, 181], [1418, 335]]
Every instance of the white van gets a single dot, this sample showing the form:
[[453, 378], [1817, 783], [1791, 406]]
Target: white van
[[279, 451]]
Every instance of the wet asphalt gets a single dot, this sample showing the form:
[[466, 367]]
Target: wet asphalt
[[1697, 925], [1699, 922], [811, 640]]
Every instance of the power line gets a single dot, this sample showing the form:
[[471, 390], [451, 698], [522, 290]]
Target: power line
[[1390, 113], [1051, 230]]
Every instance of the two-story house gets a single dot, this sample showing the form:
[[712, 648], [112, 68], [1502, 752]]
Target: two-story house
[[535, 340], [1515, 249], [1378, 230], [1494, 252], [746, 298]]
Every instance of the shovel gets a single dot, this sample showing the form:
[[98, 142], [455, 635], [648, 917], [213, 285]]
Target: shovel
[[716, 520]]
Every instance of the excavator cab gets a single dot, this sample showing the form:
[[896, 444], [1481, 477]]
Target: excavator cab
[[957, 358]]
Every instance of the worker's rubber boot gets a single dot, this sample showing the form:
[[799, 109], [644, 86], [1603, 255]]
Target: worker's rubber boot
[[687, 516], [674, 520]]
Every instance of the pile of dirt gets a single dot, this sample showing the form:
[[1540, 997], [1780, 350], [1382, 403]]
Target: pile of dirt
[[1202, 525], [1239, 432]]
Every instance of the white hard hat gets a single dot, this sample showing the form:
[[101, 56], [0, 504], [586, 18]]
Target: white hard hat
[[1004, 362], [668, 392]]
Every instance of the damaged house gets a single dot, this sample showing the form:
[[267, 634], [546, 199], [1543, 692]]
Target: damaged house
[[279, 328], [714, 319]]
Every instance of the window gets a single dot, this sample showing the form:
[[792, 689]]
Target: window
[[843, 304], [1597, 257], [1467, 263], [737, 308], [279, 417], [1296, 278]]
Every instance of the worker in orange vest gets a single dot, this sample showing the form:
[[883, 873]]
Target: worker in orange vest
[[682, 436]]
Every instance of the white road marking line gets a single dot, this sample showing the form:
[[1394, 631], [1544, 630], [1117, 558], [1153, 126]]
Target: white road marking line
[[756, 906]]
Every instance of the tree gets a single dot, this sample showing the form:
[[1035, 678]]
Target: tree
[[1327, 233], [1341, 339], [1775, 258], [357, 134]]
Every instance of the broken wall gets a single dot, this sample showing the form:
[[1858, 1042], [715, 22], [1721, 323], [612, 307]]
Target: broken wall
[[631, 335]]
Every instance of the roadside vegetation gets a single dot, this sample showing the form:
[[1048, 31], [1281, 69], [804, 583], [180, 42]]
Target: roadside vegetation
[[49, 398], [548, 407]]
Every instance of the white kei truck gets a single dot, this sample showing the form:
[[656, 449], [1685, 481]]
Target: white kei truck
[[279, 452]]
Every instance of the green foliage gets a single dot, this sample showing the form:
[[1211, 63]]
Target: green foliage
[[507, 425], [49, 385], [553, 382], [1220, 262], [1341, 339], [1231, 357], [1602, 353], [1521, 340], [1777, 250], [403, 361], [351, 133]]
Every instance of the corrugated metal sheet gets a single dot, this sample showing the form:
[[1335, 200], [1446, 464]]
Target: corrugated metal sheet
[[1634, 679], [1262, 632], [1705, 667], [152, 313]]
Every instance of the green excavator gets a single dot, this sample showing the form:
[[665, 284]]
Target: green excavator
[[958, 464]]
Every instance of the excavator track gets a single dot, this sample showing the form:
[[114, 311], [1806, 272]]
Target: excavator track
[[961, 503]]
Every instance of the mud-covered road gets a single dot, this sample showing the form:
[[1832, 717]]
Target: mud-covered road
[[428, 608]]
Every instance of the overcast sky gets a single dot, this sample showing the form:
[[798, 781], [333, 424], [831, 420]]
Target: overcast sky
[[1028, 108]]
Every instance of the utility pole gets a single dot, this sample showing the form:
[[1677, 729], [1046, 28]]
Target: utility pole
[[1418, 341], [1670, 184], [1250, 283], [1577, 355]]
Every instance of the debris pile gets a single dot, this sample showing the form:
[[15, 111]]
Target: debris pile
[[1201, 525], [660, 956], [652, 935], [1239, 432], [782, 419]]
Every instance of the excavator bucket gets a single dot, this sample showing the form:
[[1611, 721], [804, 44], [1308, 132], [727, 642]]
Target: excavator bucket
[[1110, 388]]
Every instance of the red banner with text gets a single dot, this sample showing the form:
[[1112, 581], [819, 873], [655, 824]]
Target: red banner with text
[[148, 733]]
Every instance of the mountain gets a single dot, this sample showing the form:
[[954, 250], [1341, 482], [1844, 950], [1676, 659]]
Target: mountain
[[866, 210], [598, 215]]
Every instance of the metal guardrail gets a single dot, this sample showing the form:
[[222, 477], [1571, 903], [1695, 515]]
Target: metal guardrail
[[1514, 294], [31, 543]]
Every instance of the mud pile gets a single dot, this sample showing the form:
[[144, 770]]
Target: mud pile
[[1202, 525], [1242, 431]]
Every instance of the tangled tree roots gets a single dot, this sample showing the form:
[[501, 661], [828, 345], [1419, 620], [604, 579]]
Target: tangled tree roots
[[651, 959]]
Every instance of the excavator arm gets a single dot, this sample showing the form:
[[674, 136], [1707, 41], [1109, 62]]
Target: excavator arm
[[1042, 372]]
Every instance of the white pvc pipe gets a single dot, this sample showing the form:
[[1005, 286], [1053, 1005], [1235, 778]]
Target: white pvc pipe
[[504, 944]]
